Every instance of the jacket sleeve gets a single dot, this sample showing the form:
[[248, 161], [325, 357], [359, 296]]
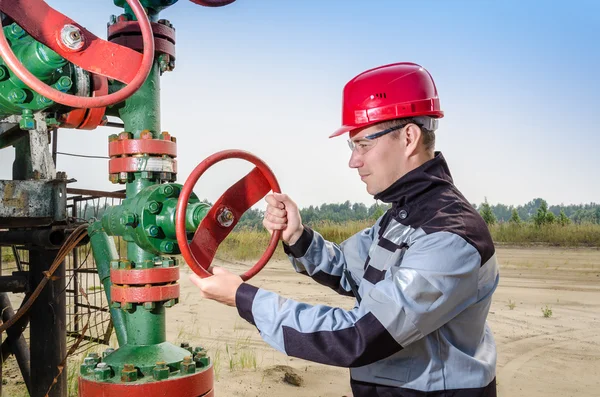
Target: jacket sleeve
[[437, 280], [325, 261]]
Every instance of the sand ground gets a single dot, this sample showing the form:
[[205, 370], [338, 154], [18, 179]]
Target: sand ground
[[537, 356]]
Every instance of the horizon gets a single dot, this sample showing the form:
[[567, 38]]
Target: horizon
[[267, 77]]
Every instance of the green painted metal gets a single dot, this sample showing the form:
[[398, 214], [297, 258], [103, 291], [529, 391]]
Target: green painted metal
[[138, 364], [44, 63], [148, 219], [104, 250]]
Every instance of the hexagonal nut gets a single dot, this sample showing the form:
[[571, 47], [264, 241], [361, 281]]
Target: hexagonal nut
[[149, 305], [169, 303], [125, 135], [153, 207], [129, 219], [113, 178], [103, 372], [146, 134], [167, 190], [160, 371], [167, 246], [86, 370], [199, 350], [27, 123], [201, 361], [107, 352], [188, 368], [129, 373]]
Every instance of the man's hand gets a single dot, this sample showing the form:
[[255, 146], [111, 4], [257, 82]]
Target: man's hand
[[283, 214], [220, 287]]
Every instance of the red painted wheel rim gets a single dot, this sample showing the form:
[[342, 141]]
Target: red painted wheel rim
[[201, 269]]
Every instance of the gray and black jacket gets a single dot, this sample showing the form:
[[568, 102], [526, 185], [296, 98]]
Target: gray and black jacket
[[424, 276]]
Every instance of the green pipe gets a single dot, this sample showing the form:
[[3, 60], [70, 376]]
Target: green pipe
[[142, 112], [104, 250]]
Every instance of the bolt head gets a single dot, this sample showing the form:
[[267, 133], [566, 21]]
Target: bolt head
[[153, 230], [167, 246], [146, 134], [226, 217], [17, 96], [154, 207], [168, 190], [72, 37], [169, 303], [149, 305]]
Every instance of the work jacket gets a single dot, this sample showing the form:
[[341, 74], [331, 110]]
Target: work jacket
[[423, 277]]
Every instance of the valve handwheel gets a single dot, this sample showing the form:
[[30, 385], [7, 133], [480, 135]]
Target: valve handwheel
[[81, 47], [225, 213]]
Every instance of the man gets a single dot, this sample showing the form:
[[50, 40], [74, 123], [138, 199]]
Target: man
[[423, 275]]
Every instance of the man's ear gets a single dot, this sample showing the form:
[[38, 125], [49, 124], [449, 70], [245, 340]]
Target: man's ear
[[412, 138]]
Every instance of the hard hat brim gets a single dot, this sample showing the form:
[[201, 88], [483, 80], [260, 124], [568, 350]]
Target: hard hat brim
[[342, 130]]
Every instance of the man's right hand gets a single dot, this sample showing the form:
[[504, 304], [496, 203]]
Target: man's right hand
[[283, 214]]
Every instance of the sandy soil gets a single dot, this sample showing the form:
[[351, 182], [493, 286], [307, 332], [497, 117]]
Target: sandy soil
[[537, 356]]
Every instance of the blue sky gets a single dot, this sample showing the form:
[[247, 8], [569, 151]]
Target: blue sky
[[518, 81]]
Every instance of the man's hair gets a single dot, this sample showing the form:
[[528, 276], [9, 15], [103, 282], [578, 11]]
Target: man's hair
[[428, 136]]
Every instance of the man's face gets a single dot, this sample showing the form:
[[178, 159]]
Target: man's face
[[379, 162]]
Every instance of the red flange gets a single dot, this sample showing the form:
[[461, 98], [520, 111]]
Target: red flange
[[154, 293], [157, 275], [225, 213], [88, 119], [128, 34], [139, 164], [200, 384], [142, 146]]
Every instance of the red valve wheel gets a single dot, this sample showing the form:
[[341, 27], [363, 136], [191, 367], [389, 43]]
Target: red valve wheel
[[81, 47], [225, 213], [212, 3]]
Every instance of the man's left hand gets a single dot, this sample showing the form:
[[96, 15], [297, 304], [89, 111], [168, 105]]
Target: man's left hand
[[221, 287]]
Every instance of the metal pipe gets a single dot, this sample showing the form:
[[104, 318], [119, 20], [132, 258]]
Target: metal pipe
[[104, 250], [48, 327], [15, 342], [14, 283], [47, 238]]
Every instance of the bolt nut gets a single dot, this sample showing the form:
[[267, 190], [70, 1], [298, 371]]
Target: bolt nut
[[160, 371], [63, 84], [113, 137], [127, 306], [102, 372], [124, 135], [129, 373], [153, 231], [149, 305], [167, 190], [188, 366], [154, 207], [129, 219], [167, 247], [226, 217], [16, 32], [89, 361], [115, 305], [71, 37], [107, 352], [200, 351], [169, 303], [17, 96], [201, 361], [146, 134]]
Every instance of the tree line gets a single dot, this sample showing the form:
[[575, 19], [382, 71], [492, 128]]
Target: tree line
[[536, 211]]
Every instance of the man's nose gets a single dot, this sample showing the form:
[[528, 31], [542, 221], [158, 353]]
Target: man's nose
[[355, 160]]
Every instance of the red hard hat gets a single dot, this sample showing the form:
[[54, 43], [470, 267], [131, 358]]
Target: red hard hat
[[388, 92]]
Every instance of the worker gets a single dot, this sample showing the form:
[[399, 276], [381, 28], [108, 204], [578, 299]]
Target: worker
[[423, 275]]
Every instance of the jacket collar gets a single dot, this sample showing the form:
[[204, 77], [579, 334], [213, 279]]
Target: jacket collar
[[418, 182]]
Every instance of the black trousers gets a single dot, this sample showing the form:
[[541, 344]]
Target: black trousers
[[363, 389]]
